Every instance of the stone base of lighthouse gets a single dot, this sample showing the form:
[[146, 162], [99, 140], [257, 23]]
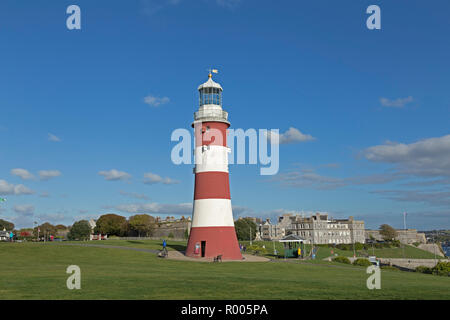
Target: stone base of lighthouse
[[209, 242]]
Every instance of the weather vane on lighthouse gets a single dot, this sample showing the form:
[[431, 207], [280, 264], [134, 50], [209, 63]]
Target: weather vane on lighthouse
[[211, 71], [212, 231]]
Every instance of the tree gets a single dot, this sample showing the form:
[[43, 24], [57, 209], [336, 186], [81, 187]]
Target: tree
[[81, 230], [45, 230], [387, 232], [243, 227], [6, 225], [142, 224], [111, 224]]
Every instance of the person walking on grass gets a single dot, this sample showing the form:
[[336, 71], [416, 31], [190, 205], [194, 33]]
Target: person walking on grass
[[164, 250]]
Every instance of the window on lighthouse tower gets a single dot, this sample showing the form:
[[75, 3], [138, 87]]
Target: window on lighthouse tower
[[210, 96]]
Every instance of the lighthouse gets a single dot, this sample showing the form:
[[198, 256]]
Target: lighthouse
[[212, 230]]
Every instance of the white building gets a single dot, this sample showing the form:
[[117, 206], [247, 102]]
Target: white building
[[317, 229]]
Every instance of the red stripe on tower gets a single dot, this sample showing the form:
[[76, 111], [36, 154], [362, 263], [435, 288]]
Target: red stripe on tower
[[212, 185]]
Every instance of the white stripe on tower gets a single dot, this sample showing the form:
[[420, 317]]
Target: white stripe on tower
[[212, 213], [211, 158]]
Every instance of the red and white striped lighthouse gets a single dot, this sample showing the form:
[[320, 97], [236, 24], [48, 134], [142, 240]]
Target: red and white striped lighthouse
[[212, 230]]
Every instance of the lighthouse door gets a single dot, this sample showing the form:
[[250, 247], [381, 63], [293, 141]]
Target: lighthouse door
[[203, 248]]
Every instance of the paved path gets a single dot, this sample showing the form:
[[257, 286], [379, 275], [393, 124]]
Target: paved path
[[177, 255]]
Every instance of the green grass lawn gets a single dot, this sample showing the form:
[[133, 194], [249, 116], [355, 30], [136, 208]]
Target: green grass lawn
[[408, 251], [143, 244], [37, 271]]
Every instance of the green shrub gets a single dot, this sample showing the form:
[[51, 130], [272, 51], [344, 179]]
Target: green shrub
[[255, 249], [344, 246], [382, 245], [342, 259], [395, 243], [362, 262], [359, 246], [423, 269], [416, 244], [442, 269]]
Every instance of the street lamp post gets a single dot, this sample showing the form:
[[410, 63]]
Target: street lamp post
[[37, 229]]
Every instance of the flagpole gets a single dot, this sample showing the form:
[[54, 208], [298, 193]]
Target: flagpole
[[404, 220]]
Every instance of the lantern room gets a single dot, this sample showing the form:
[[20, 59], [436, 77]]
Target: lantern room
[[210, 92]]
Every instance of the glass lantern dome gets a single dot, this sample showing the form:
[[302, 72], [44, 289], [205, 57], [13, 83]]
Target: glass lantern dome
[[210, 92]]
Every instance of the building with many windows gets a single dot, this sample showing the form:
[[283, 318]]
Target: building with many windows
[[270, 231], [357, 230]]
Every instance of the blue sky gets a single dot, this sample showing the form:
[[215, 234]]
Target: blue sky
[[376, 103]]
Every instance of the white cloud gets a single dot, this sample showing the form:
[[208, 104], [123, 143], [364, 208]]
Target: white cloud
[[24, 209], [22, 221], [292, 135], [240, 211], [53, 218], [86, 216], [308, 178], [150, 7], [155, 208], [52, 137], [134, 195], [428, 157], [152, 178], [397, 103], [331, 165], [155, 101], [430, 197], [13, 189], [114, 175], [22, 173], [48, 174], [228, 3]]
